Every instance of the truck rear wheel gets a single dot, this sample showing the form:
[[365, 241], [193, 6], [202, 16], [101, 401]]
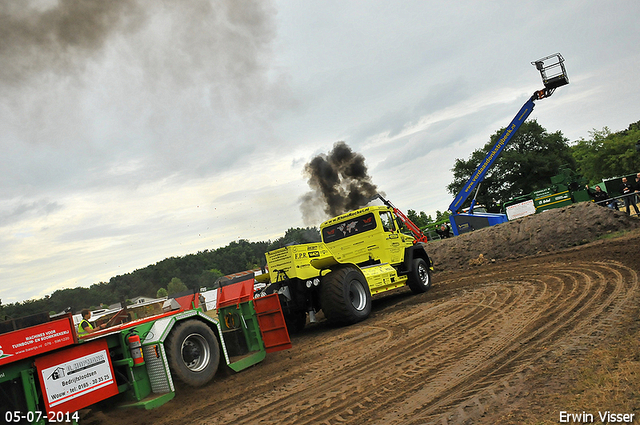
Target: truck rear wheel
[[420, 276], [345, 296], [193, 352]]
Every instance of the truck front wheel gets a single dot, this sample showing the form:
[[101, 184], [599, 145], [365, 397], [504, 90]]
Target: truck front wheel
[[193, 352], [345, 296], [420, 276]]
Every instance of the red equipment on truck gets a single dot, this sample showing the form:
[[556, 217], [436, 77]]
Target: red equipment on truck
[[417, 233]]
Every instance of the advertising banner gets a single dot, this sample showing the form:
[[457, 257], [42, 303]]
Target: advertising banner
[[36, 340], [547, 199], [522, 209], [77, 377]]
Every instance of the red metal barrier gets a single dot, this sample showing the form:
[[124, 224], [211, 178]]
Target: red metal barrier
[[236, 291], [272, 324]]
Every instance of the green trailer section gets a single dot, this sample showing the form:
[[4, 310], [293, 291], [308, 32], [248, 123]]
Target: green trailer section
[[232, 336], [567, 187], [547, 199], [18, 387], [151, 382], [241, 333]]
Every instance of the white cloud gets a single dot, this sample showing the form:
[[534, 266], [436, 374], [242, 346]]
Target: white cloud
[[175, 129]]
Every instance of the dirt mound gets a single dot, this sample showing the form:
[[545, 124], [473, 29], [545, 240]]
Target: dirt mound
[[549, 231]]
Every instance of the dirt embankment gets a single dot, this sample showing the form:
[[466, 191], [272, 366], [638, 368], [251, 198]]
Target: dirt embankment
[[550, 231]]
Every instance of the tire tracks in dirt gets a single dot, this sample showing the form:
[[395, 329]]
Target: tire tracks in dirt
[[456, 352], [589, 302]]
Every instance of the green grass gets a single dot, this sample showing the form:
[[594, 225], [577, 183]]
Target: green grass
[[613, 235]]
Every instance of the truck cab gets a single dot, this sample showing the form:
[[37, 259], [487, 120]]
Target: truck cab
[[368, 236]]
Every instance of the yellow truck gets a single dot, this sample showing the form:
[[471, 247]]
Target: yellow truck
[[363, 252]]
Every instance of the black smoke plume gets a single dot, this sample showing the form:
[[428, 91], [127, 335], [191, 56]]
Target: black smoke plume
[[339, 183], [35, 38], [211, 38]]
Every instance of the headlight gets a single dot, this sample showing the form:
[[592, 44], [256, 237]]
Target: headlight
[[309, 283]]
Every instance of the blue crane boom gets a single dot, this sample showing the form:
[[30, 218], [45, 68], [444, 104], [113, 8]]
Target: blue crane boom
[[553, 75], [478, 175]]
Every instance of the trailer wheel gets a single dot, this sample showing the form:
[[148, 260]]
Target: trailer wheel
[[193, 353], [420, 276], [345, 296]]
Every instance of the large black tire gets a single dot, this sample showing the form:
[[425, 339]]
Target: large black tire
[[193, 353], [345, 296], [420, 276]]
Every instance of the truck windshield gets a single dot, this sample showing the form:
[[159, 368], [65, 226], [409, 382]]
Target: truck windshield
[[347, 228]]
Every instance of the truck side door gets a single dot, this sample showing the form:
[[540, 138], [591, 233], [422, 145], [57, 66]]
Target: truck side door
[[392, 239]]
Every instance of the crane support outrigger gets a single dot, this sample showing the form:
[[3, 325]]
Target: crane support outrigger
[[553, 75]]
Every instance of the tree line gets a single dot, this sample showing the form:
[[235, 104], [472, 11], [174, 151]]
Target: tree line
[[193, 271], [534, 156]]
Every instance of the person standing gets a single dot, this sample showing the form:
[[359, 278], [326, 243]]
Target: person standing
[[600, 197], [628, 190], [84, 327], [444, 231]]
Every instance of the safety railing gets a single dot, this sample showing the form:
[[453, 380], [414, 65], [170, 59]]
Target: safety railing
[[617, 202]]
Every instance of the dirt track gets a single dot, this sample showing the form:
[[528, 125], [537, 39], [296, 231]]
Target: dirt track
[[466, 352]]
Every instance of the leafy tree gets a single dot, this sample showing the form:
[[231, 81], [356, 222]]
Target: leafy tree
[[26, 308], [527, 163], [421, 220], [209, 277], [176, 286], [606, 154], [161, 293], [441, 216]]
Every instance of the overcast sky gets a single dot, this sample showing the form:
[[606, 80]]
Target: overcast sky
[[132, 131]]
